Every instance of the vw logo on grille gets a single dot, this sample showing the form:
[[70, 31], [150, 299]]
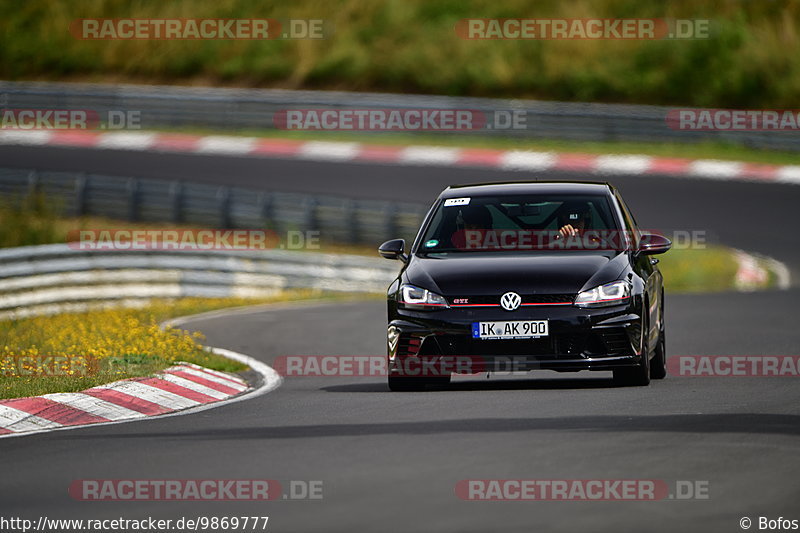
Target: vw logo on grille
[[510, 301]]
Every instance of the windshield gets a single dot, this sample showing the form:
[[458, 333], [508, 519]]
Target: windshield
[[522, 223]]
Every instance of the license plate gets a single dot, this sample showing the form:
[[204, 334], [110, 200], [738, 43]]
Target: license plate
[[516, 329]]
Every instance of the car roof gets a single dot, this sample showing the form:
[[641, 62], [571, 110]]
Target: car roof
[[526, 187]]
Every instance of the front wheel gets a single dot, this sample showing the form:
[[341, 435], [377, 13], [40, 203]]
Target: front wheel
[[658, 366]]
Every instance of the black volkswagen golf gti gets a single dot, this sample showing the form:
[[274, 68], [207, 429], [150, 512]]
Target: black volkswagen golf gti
[[526, 275]]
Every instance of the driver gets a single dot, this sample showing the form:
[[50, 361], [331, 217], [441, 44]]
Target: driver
[[473, 224], [574, 218], [475, 217]]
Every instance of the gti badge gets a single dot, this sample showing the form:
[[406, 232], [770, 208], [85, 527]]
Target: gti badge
[[510, 301]]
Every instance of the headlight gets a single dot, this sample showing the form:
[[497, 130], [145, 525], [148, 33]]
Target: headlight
[[608, 294], [417, 297]]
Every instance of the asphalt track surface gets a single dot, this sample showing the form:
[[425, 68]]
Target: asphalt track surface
[[390, 461]]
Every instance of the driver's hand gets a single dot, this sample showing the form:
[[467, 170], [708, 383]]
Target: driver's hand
[[568, 231]]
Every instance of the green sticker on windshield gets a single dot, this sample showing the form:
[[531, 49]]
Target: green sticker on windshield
[[431, 243]]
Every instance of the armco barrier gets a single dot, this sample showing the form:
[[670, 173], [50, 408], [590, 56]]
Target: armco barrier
[[221, 108], [34, 279], [336, 219]]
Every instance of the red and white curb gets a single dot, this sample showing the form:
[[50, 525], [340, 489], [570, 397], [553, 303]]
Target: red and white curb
[[598, 165], [753, 272], [181, 389]]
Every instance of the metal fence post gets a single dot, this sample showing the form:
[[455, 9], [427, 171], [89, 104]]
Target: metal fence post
[[132, 187], [33, 183], [81, 185], [391, 221], [352, 221], [311, 221], [264, 203], [224, 202], [176, 201]]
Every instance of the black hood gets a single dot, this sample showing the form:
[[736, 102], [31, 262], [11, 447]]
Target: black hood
[[474, 274]]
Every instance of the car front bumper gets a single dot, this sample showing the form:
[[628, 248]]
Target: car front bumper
[[579, 339]]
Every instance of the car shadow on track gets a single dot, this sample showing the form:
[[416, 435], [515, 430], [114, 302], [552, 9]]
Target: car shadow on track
[[489, 384], [738, 423]]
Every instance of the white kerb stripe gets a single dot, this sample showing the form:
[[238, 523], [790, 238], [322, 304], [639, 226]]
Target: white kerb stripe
[[127, 141], [223, 375], [225, 145], [329, 150], [194, 386], [94, 406], [431, 155], [789, 174], [524, 160], [19, 421], [622, 164], [152, 394], [709, 168], [216, 379], [25, 136]]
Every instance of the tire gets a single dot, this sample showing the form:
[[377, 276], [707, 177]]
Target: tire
[[638, 375], [439, 382], [405, 384], [658, 366], [412, 384]]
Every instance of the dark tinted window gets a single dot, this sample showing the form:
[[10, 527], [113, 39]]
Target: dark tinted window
[[537, 213]]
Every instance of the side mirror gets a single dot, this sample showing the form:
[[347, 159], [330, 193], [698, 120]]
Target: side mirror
[[394, 249], [653, 243]]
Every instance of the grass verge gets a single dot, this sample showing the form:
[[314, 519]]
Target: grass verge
[[711, 269], [748, 59], [71, 352]]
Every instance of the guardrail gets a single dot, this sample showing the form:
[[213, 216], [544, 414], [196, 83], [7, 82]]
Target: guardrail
[[39, 279], [337, 219], [218, 108]]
